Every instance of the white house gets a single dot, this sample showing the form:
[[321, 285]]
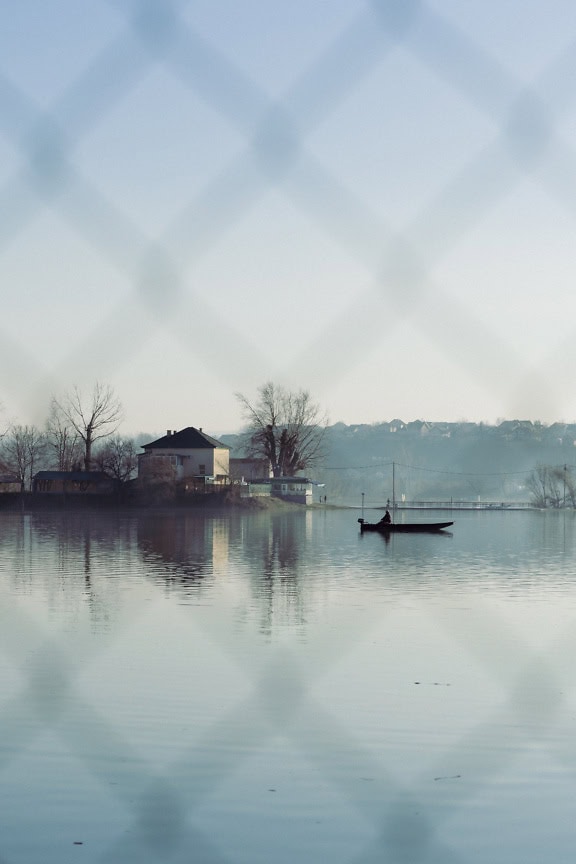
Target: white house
[[189, 454], [299, 490]]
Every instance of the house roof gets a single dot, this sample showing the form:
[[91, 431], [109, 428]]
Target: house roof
[[189, 438]]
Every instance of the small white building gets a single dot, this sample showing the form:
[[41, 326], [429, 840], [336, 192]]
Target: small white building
[[298, 490]]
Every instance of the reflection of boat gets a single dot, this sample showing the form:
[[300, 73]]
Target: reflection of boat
[[403, 527]]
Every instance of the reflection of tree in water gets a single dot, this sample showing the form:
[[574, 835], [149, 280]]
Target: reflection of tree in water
[[184, 549], [283, 548], [88, 544], [272, 547], [183, 544]]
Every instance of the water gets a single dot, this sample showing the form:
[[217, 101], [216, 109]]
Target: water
[[279, 688]]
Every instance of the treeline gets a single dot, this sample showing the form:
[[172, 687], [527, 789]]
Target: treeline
[[80, 434]]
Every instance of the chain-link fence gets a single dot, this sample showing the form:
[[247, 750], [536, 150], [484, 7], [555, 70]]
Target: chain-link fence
[[127, 256], [160, 197], [172, 728]]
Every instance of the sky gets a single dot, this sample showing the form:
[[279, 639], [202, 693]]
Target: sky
[[372, 201]]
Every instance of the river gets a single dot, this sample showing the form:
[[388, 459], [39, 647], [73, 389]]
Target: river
[[276, 687]]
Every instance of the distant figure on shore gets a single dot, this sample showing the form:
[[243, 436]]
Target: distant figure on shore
[[386, 518]]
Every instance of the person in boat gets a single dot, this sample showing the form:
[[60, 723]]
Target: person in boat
[[386, 518]]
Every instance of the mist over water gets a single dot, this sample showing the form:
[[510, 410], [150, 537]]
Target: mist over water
[[257, 687]]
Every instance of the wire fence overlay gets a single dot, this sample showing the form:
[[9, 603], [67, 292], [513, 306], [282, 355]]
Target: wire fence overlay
[[154, 211], [139, 268]]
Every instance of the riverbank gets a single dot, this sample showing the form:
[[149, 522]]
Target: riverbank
[[30, 503]]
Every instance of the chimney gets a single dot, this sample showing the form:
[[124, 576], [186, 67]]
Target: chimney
[[200, 429], [168, 431]]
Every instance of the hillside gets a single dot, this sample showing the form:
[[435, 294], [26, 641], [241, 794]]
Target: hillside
[[437, 461]]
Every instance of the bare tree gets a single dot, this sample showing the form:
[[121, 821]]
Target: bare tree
[[286, 428], [537, 485], [118, 457], [92, 418], [563, 486], [157, 478], [62, 440], [549, 486], [22, 448], [569, 482]]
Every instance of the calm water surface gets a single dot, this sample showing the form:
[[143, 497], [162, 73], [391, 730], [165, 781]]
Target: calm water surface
[[279, 688]]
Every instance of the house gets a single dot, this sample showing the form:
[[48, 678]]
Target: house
[[73, 483], [418, 427], [188, 456], [298, 490], [9, 483], [245, 469], [519, 430]]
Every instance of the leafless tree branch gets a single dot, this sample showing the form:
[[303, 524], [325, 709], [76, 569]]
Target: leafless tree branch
[[92, 418], [287, 428]]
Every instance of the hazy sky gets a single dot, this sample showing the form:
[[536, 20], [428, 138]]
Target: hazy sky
[[375, 201]]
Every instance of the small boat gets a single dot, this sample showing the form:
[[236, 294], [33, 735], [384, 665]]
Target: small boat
[[403, 527]]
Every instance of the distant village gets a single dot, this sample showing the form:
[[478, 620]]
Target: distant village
[[512, 461]]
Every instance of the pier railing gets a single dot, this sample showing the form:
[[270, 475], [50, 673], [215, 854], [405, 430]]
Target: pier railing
[[464, 505]]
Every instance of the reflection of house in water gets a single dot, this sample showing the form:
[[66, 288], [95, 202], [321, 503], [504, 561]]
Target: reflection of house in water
[[258, 559], [190, 544]]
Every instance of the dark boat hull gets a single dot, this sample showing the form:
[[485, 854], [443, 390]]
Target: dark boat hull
[[403, 527]]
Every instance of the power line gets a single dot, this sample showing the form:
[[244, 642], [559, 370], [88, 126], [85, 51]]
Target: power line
[[434, 470]]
